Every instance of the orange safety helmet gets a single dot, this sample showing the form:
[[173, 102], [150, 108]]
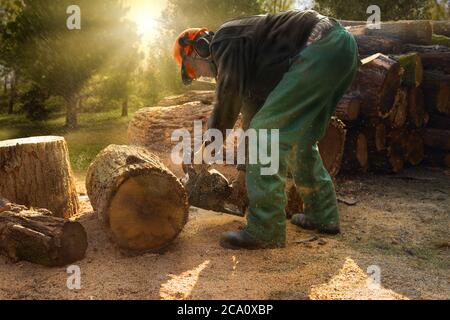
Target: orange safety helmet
[[184, 46]]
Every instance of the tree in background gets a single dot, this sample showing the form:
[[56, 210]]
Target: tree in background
[[274, 6], [63, 60], [390, 9]]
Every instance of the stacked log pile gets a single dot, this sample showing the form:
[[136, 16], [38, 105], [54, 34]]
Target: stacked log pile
[[404, 92]]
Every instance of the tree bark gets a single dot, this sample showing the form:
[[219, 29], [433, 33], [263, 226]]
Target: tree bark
[[36, 172], [125, 108], [413, 31], [437, 139], [142, 203], [36, 236], [378, 82]]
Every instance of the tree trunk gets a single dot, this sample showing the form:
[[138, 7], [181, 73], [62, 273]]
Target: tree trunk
[[348, 108], [436, 87], [378, 82], [417, 116], [72, 113], [142, 203], [12, 92], [369, 45], [437, 139], [125, 108], [36, 236], [36, 172], [413, 31], [412, 64]]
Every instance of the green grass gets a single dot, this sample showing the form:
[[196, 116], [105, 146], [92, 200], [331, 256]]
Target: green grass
[[95, 132]]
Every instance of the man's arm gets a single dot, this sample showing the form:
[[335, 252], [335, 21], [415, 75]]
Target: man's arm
[[230, 82]]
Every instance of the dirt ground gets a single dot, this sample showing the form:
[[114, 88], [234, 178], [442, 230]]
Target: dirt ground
[[399, 227]]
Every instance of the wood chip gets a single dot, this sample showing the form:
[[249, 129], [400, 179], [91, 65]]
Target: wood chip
[[307, 240], [350, 201]]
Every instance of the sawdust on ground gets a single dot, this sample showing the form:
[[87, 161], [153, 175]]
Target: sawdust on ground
[[398, 229]]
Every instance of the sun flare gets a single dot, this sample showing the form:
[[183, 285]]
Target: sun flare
[[146, 24]]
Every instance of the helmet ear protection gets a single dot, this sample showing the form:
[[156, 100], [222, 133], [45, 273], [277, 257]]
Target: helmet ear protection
[[200, 45]]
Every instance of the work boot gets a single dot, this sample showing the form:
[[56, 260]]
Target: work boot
[[302, 221], [236, 240]]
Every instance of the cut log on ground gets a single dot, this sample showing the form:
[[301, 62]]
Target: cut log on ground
[[348, 108], [143, 204], [417, 115], [36, 172], [436, 87], [378, 82], [36, 236], [413, 31], [412, 64], [437, 139]]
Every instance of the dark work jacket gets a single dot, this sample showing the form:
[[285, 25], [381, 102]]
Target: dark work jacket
[[252, 54]]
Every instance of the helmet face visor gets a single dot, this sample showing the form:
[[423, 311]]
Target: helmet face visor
[[193, 67]]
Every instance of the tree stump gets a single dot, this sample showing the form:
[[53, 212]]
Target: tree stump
[[36, 172], [143, 203], [36, 236]]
